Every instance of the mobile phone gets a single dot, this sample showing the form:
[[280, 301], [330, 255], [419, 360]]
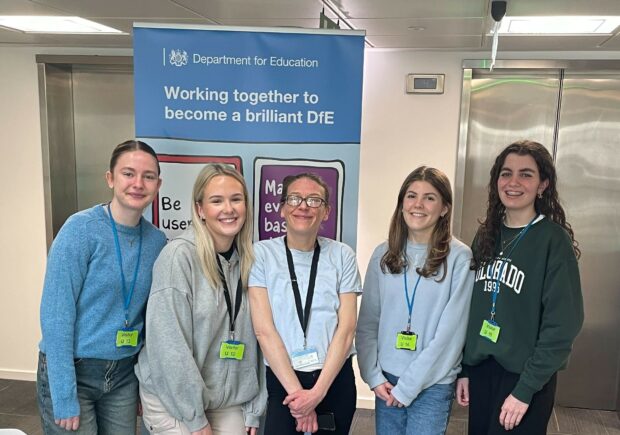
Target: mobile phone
[[326, 420]]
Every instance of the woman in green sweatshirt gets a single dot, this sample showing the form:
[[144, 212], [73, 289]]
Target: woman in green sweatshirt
[[527, 306]]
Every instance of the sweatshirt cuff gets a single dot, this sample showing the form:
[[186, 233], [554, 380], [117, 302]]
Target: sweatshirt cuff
[[401, 396], [523, 393], [66, 408], [464, 373], [197, 423], [376, 380], [252, 420]]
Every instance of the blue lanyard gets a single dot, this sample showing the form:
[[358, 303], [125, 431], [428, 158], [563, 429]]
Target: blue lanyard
[[495, 291], [127, 296], [410, 302]]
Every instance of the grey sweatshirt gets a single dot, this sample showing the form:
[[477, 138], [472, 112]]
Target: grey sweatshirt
[[186, 321], [440, 314]]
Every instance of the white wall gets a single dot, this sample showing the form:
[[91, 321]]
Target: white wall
[[399, 133], [22, 223], [22, 216]]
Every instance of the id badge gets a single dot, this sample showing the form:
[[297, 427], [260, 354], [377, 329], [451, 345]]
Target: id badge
[[304, 358], [406, 340], [127, 338], [490, 330], [232, 349]]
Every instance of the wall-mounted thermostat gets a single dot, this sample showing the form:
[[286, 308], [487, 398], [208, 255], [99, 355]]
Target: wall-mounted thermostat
[[425, 83]]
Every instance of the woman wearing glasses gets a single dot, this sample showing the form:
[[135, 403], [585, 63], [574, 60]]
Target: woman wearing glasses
[[303, 291]]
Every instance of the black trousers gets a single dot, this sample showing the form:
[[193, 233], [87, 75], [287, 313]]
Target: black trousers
[[489, 385], [340, 400]]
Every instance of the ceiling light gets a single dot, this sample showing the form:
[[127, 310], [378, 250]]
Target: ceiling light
[[566, 25], [55, 24], [417, 28]]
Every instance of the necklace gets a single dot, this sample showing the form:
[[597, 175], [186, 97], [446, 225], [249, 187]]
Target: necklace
[[507, 243]]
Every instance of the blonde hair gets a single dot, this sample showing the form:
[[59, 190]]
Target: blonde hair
[[204, 241]]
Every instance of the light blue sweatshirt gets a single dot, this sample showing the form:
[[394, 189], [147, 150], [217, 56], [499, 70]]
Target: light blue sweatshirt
[[440, 314], [82, 306]]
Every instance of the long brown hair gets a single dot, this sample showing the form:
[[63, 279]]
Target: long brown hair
[[548, 204], [394, 260]]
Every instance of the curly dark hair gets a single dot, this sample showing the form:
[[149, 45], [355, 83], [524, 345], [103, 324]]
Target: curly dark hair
[[394, 261], [548, 205]]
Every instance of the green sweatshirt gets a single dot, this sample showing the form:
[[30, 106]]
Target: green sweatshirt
[[539, 306]]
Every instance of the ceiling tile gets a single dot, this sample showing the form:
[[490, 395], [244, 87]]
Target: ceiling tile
[[562, 7], [25, 7], [254, 9], [119, 8], [412, 8], [306, 23], [547, 43], [432, 26], [432, 42]]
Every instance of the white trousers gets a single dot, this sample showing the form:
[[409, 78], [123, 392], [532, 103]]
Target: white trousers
[[224, 421]]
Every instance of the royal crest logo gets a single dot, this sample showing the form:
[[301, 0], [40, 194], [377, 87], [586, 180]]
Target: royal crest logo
[[178, 57]]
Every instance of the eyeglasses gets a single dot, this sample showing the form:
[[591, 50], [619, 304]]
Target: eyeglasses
[[311, 201]]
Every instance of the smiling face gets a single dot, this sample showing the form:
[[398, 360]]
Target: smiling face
[[134, 180], [303, 220], [422, 208], [222, 209], [518, 185]]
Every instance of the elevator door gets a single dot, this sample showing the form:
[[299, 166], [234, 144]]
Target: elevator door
[[588, 165], [504, 107], [86, 110], [577, 117], [103, 117]]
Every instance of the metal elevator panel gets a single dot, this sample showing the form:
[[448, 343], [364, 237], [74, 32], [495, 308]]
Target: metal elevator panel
[[580, 108], [57, 107], [504, 107], [588, 165], [103, 115], [87, 108]]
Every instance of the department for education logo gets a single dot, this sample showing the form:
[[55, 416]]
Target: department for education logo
[[178, 57]]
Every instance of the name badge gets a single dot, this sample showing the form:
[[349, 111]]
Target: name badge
[[127, 338], [232, 350], [406, 340], [490, 330], [304, 358]]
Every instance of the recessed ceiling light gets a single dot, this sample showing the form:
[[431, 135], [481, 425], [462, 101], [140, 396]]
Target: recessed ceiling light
[[55, 24], [416, 28], [575, 25]]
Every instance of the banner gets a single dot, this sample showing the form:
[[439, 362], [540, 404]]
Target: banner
[[270, 102]]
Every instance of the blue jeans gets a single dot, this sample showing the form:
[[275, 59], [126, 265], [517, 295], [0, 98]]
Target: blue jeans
[[107, 392], [427, 415]]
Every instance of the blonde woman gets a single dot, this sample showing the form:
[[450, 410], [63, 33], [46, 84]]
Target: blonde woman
[[199, 370]]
